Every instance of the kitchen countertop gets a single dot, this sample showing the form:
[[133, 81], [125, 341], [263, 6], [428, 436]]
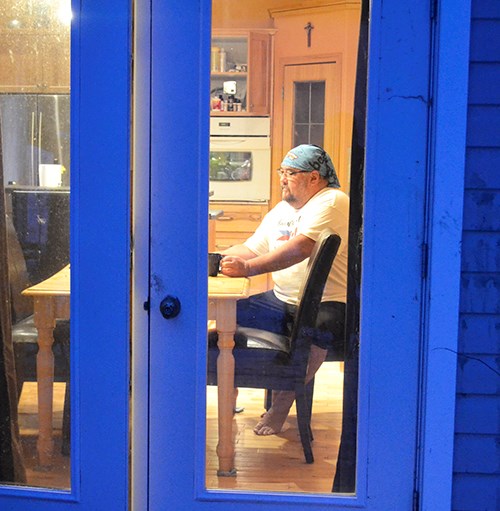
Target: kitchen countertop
[[215, 213]]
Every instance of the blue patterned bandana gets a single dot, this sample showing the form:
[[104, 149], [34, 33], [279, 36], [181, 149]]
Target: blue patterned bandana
[[312, 157]]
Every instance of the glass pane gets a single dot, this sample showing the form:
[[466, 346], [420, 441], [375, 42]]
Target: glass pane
[[229, 66], [230, 166], [302, 102], [258, 410], [301, 134], [309, 100], [317, 134], [34, 225], [318, 102]]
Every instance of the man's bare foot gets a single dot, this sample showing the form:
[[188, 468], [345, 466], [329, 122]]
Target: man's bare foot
[[269, 425], [272, 422]]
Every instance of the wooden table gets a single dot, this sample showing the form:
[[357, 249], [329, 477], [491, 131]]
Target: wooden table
[[223, 293], [52, 301]]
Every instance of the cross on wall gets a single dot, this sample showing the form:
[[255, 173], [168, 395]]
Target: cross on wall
[[309, 27]]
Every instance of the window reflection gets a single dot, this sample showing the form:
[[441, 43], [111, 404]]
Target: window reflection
[[34, 224]]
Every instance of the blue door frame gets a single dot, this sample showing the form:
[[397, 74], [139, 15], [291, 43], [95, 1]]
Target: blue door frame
[[101, 202]]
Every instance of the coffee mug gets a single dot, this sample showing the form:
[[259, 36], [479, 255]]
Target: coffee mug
[[214, 263]]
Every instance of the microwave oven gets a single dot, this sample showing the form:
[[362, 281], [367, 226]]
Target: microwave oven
[[240, 159]]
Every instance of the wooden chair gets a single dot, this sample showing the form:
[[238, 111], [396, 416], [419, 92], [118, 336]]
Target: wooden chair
[[270, 361]]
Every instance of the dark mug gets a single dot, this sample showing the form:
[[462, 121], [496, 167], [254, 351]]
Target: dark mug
[[214, 263]]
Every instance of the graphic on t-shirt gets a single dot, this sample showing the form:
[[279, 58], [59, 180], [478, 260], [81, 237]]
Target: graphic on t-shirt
[[284, 236]]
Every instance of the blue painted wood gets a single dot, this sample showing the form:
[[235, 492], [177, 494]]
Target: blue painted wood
[[481, 73], [485, 44], [101, 250], [476, 477], [479, 333], [477, 414], [475, 492], [447, 140], [480, 251], [482, 168], [483, 125], [480, 293], [482, 210], [478, 374], [479, 454], [486, 9]]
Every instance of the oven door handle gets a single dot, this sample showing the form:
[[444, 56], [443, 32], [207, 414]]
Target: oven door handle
[[228, 141]]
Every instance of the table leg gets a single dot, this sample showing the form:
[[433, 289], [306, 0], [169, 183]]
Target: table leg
[[45, 324], [226, 326]]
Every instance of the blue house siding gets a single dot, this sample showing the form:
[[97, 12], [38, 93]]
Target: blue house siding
[[476, 477]]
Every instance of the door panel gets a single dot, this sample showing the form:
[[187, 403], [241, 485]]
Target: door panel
[[100, 265], [300, 83], [390, 322]]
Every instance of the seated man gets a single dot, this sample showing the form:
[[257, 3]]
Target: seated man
[[282, 245]]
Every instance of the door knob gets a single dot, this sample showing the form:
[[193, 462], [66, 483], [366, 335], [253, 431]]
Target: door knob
[[170, 307]]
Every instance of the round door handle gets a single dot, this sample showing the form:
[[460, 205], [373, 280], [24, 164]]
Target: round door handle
[[170, 307]]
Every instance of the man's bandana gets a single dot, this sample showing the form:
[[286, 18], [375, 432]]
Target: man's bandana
[[312, 157]]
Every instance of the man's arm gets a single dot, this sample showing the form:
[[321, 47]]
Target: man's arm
[[292, 252], [240, 251]]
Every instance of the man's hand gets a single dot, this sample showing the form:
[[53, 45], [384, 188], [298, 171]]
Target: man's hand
[[234, 266], [240, 264]]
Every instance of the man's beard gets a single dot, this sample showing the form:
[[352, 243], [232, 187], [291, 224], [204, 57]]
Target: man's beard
[[289, 197]]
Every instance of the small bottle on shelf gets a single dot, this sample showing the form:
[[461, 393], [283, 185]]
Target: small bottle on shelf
[[222, 60], [214, 59]]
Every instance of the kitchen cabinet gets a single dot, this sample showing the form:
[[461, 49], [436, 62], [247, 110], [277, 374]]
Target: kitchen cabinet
[[34, 61], [34, 46], [242, 59], [237, 223]]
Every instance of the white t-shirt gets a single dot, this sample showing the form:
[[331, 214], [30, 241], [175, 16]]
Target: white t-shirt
[[329, 208]]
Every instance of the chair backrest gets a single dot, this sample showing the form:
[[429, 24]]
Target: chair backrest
[[313, 285], [22, 306]]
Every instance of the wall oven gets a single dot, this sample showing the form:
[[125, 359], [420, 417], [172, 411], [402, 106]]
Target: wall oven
[[240, 159]]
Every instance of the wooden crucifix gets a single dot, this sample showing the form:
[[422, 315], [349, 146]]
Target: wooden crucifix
[[309, 27]]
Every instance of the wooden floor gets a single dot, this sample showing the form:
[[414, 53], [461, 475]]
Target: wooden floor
[[58, 476], [275, 463]]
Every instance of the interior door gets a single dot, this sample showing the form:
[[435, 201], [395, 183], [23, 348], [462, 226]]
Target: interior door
[[172, 465], [306, 85]]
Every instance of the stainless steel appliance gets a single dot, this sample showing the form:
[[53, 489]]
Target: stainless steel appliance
[[240, 159], [34, 131], [41, 220]]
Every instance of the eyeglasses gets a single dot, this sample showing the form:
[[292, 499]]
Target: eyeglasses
[[290, 173]]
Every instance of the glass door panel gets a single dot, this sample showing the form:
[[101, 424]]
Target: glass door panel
[[309, 115], [257, 431], [207, 448], [35, 210]]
